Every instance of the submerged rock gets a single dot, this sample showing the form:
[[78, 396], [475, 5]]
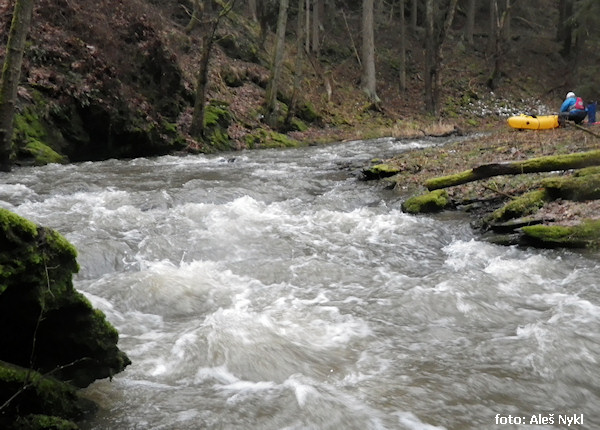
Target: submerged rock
[[45, 324]]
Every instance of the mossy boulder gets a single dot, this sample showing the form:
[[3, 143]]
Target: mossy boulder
[[379, 171], [433, 201], [38, 301], [38, 401], [35, 141], [45, 324]]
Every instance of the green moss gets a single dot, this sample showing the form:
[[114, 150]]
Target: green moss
[[433, 201], [44, 422], [298, 125], [526, 204], [10, 221], [584, 235], [34, 141], [46, 404], [217, 119], [381, 170], [308, 112], [262, 138], [41, 153], [443, 181]]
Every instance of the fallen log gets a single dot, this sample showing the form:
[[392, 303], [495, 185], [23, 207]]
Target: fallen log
[[534, 165]]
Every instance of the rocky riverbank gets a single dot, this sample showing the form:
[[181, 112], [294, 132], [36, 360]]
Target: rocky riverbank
[[539, 209]]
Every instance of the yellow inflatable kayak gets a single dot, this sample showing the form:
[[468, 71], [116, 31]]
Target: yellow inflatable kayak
[[533, 122]]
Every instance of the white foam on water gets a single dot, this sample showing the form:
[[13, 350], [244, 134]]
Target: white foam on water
[[412, 422]]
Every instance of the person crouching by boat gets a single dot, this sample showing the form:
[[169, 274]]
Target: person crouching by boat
[[572, 109]]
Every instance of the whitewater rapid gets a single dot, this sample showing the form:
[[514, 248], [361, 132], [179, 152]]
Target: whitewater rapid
[[274, 290]]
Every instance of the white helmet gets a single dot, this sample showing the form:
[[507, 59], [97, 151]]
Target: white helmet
[[570, 94]]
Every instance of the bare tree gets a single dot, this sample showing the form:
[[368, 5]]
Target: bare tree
[[196, 16], [500, 38], [470, 23], [368, 79], [197, 126], [402, 71], [11, 73], [414, 11], [298, 66], [277, 66], [437, 27]]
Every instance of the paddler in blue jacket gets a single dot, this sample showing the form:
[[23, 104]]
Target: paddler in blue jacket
[[573, 108]]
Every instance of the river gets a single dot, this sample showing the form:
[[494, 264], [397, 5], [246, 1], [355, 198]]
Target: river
[[273, 290]]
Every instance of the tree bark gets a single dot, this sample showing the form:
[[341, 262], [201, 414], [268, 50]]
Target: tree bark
[[368, 79], [11, 73], [277, 66], [533, 165]]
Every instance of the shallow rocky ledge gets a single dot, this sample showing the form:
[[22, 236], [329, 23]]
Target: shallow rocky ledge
[[53, 340]]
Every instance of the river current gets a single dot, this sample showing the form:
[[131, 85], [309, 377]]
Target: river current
[[274, 290]]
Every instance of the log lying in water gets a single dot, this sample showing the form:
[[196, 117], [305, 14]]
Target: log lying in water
[[533, 165]]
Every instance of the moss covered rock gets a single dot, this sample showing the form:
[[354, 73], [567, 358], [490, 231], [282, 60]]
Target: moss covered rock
[[38, 301], [434, 201], [379, 171], [34, 401], [45, 324]]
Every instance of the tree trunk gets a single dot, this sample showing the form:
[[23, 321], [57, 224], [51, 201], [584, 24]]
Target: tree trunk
[[430, 69], [533, 165], [277, 66], [493, 25], [11, 73], [368, 79], [436, 34], [470, 23], [414, 11], [196, 16], [500, 45], [316, 24], [565, 27], [298, 66], [252, 10], [307, 26], [402, 71], [197, 126]]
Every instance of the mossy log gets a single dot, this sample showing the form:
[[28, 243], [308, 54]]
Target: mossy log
[[533, 165], [584, 235], [576, 188]]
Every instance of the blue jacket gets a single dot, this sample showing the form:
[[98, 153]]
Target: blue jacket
[[568, 104]]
